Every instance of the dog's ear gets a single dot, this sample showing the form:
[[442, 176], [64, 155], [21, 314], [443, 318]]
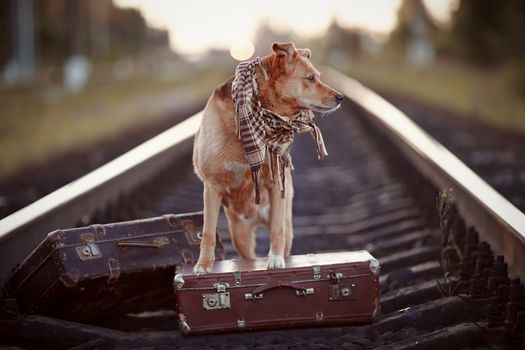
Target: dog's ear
[[285, 49], [305, 53], [285, 53]]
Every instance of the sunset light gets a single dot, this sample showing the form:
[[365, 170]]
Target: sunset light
[[242, 50]]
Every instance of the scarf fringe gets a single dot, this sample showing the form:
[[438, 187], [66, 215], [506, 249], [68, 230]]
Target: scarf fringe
[[319, 142], [256, 172], [277, 169], [282, 165]]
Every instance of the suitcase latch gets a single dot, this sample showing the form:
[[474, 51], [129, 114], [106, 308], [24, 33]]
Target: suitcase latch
[[341, 292], [251, 296], [193, 235], [237, 277], [306, 291], [335, 277], [317, 272], [88, 251], [219, 300]]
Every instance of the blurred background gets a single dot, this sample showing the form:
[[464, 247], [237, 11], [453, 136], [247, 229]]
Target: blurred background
[[83, 81]]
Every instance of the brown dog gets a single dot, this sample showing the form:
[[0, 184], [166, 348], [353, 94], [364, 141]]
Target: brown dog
[[290, 84]]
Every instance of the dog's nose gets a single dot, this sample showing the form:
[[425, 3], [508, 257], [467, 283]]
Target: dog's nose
[[339, 97]]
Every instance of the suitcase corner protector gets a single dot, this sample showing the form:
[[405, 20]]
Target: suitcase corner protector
[[184, 328], [178, 281], [376, 315], [374, 266]]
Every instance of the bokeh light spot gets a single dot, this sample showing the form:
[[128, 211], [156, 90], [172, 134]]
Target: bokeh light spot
[[242, 50]]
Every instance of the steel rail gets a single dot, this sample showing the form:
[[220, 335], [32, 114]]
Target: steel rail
[[23, 230], [498, 221]]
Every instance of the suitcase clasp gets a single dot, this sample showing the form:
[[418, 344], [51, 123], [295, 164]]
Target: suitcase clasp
[[237, 277], [193, 234], [219, 300], [221, 287], [340, 292], [304, 292], [88, 251], [251, 296], [317, 272], [335, 276]]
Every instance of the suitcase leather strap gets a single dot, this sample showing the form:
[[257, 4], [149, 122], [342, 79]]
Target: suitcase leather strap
[[299, 289]]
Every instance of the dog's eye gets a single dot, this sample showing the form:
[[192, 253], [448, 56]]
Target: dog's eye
[[311, 78]]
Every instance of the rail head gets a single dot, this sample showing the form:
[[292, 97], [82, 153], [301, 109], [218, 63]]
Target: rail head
[[498, 220]]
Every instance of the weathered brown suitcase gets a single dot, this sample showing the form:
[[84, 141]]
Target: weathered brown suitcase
[[313, 290], [100, 270]]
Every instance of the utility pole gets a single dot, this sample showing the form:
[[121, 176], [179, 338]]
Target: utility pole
[[21, 66], [77, 67]]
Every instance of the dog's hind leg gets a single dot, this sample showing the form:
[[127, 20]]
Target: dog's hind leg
[[242, 232], [212, 206]]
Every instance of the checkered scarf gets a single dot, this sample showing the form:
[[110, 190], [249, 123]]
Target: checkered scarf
[[265, 133]]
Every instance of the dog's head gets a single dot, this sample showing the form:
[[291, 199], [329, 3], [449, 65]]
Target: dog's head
[[298, 83]]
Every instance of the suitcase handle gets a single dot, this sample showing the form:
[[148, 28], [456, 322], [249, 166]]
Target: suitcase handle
[[157, 243], [299, 289]]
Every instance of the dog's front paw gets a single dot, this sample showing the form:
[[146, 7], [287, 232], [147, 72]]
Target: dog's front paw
[[275, 261], [203, 267]]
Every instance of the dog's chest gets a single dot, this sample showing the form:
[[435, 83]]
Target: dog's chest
[[237, 173], [239, 187]]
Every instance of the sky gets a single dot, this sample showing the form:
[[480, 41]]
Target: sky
[[199, 25]]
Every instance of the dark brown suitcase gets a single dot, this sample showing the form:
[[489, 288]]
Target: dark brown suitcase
[[313, 290], [101, 270]]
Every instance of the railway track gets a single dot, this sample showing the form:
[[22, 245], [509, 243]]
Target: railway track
[[494, 154], [450, 263]]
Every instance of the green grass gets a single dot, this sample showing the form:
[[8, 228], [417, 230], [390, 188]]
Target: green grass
[[484, 94], [32, 130]]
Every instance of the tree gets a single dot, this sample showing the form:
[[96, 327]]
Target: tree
[[490, 31]]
